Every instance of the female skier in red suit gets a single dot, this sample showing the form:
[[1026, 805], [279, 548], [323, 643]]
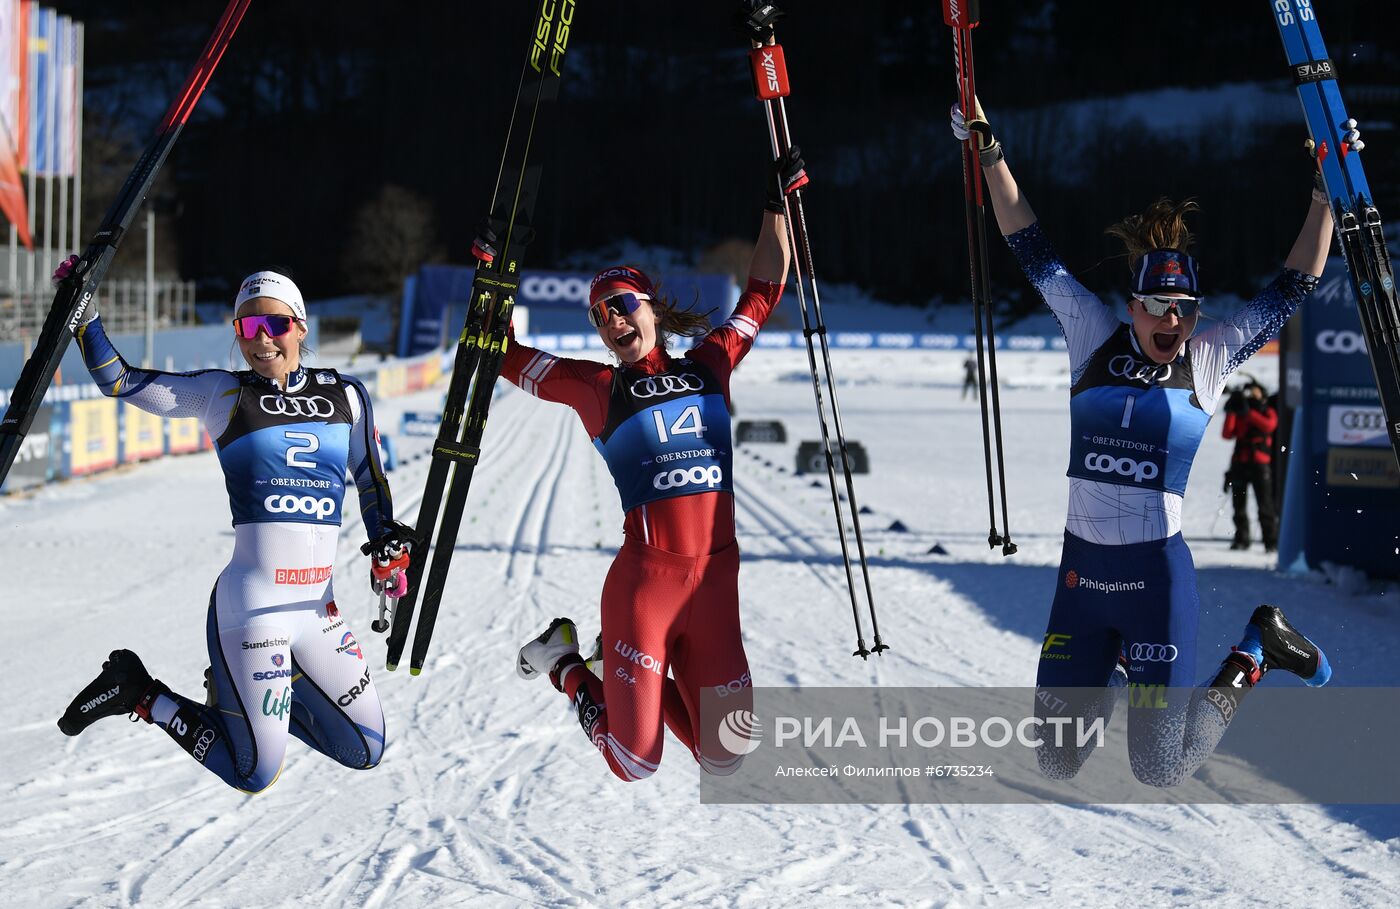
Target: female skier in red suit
[[671, 599]]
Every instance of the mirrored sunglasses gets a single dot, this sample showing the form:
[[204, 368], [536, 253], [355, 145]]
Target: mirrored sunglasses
[[1159, 306], [247, 327], [626, 303]]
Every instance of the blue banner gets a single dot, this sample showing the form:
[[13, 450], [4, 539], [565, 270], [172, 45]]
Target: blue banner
[[437, 297], [845, 340], [1343, 490]]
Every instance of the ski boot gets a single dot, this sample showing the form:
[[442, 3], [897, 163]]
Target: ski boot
[[594, 662], [1272, 643], [546, 654], [123, 686]]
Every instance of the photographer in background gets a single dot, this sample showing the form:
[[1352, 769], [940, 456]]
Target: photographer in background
[[1251, 420]]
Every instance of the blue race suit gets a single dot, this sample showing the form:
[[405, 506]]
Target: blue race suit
[[1126, 582]]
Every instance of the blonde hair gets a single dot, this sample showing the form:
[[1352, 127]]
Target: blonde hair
[[1161, 226]]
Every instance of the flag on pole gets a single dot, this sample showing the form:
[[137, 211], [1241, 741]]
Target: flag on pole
[[43, 72], [67, 62], [21, 64], [12, 45]]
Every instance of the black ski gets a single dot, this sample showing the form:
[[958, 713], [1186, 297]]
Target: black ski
[[1354, 214], [482, 344], [76, 291]]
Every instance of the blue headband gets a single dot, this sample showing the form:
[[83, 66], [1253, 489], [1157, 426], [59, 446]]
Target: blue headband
[[1168, 270]]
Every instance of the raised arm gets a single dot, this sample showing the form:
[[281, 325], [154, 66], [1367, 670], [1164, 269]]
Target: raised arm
[[198, 394], [1013, 212], [771, 255], [1083, 318], [1309, 252]]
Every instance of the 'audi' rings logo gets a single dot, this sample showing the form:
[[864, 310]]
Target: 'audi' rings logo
[[289, 504], [1341, 342], [314, 406], [1127, 367], [1127, 467], [1152, 653], [710, 476], [655, 386], [1363, 419]]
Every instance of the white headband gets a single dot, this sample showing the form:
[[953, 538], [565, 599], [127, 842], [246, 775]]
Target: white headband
[[271, 284]]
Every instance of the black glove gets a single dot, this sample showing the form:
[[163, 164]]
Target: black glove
[[755, 19], [486, 246], [393, 538], [389, 561], [1236, 403], [789, 173]]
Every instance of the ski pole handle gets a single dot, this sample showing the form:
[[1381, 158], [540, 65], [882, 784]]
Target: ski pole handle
[[768, 69], [961, 13]]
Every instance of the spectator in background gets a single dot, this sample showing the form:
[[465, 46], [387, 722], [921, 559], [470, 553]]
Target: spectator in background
[[1251, 420], [969, 377]]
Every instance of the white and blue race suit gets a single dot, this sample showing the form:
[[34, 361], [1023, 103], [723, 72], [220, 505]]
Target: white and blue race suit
[[1126, 583], [283, 659]]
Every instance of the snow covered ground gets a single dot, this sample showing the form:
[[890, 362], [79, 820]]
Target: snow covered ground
[[489, 793]]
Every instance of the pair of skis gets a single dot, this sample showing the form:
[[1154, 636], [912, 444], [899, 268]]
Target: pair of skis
[[482, 344], [1354, 215], [76, 291], [963, 16], [771, 86]]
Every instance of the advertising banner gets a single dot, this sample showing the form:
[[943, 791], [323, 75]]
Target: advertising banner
[[184, 436], [1343, 489], [92, 436], [34, 461], [142, 435]]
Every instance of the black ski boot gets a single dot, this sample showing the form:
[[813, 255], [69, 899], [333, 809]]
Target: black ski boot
[[123, 686], [1281, 646]]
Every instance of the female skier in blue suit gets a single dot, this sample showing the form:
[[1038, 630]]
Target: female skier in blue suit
[[1141, 395]]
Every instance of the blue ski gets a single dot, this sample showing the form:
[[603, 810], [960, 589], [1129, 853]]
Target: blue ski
[[1358, 223]]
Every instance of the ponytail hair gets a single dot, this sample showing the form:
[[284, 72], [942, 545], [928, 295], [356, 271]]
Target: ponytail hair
[[1161, 226], [673, 319]]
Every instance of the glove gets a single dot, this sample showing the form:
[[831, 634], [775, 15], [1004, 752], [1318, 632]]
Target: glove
[[755, 19], [988, 148], [1236, 403], [789, 174], [65, 272], [1351, 138], [486, 246], [389, 559]]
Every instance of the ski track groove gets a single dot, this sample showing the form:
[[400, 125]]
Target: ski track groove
[[534, 509]]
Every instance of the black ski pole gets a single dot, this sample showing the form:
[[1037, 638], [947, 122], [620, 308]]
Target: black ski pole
[[962, 16], [77, 290], [770, 80]]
